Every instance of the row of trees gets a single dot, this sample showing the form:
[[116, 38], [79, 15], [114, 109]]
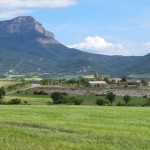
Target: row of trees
[[110, 96], [78, 82], [63, 98]]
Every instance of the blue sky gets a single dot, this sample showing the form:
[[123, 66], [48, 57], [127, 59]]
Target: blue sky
[[111, 27]]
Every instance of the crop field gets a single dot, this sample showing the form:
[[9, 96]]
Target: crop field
[[7, 83], [63, 127]]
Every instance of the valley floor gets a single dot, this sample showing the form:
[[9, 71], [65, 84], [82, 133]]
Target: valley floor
[[64, 127]]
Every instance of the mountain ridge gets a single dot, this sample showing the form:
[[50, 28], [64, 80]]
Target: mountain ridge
[[26, 38]]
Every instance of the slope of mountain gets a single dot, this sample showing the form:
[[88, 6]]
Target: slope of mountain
[[25, 46]]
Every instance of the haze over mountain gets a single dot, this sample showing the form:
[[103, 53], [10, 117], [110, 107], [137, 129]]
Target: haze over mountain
[[25, 46]]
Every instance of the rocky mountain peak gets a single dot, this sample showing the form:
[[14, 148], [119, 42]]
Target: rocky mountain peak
[[23, 24], [27, 24]]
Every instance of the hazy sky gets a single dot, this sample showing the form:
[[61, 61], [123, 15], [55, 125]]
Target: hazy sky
[[112, 27]]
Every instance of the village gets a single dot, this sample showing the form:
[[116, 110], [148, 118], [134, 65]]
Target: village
[[104, 82]]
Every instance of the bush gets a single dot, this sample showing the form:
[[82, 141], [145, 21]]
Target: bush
[[100, 94], [148, 101], [57, 98], [39, 93], [145, 96], [100, 102], [121, 104], [64, 93], [78, 101], [25, 102], [15, 101]]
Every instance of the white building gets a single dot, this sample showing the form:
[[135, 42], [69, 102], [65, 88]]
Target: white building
[[98, 83]]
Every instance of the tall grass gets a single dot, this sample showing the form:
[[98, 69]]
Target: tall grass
[[74, 127]]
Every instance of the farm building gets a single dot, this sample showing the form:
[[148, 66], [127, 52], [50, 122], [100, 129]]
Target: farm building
[[98, 83], [116, 80], [134, 82]]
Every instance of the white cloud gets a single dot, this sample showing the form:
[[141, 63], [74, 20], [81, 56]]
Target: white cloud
[[99, 45], [5, 14], [36, 3], [12, 8], [143, 48]]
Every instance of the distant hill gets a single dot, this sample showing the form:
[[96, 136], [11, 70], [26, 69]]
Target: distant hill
[[25, 46]]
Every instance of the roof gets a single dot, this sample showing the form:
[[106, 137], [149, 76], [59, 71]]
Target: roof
[[117, 79], [135, 80], [97, 82]]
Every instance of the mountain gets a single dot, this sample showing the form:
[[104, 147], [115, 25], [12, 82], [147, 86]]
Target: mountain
[[25, 46]]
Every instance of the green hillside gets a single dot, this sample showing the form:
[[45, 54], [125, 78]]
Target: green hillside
[[26, 48]]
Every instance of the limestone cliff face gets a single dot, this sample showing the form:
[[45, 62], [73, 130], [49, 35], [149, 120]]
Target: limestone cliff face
[[26, 24]]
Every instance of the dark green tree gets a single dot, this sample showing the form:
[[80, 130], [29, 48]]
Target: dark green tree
[[127, 99], [2, 94], [144, 83], [124, 79], [111, 97], [57, 98], [106, 79]]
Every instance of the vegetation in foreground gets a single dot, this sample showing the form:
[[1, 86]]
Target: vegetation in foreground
[[74, 127], [41, 98]]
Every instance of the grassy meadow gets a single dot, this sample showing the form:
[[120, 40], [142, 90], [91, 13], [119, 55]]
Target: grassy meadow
[[87, 99], [30, 98], [74, 127], [40, 126]]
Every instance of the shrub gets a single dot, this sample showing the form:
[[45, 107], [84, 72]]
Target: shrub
[[145, 96], [78, 101], [71, 100], [100, 102], [64, 93], [35, 92], [148, 101], [39, 93], [25, 102], [15, 101], [57, 98], [120, 104], [2, 94], [127, 99]]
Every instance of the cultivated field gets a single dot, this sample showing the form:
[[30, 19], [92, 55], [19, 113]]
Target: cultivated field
[[74, 127], [7, 83]]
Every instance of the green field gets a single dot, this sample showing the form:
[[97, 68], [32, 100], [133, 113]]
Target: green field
[[87, 100], [91, 100], [140, 76], [30, 98], [74, 128]]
